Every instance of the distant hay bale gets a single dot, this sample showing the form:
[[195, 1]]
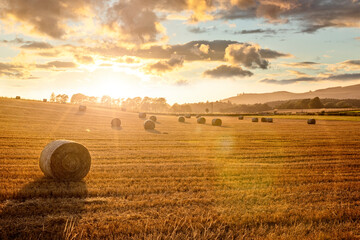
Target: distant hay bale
[[149, 125], [181, 119], [269, 120], [142, 115], [216, 122], [116, 122], [241, 117], [17, 97], [188, 115], [123, 109], [82, 108], [198, 116], [153, 118], [263, 119], [65, 160], [254, 119], [201, 120], [311, 121], [44, 100]]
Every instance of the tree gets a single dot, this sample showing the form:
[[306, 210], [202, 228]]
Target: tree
[[52, 97], [315, 103], [61, 98], [106, 100], [78, 98]]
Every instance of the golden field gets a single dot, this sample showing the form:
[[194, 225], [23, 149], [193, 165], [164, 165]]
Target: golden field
[[244, 180]]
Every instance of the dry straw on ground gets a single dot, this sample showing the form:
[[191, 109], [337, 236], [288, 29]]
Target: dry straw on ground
[[142, 115], [216, 122], [149, 125], [82, 108], [201, 120], [153, 118], [116, 122], [65, 160]]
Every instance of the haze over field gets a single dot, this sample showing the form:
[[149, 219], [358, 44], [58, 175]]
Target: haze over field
[[184, 51]]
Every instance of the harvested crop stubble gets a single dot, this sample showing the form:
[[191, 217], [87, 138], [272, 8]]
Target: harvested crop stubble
[[181, 119], [82, 108], [142, 115], [149, 125], [216, 122], [201, 120], [254, 119], [153, 118], [65, 160], [116, 122]]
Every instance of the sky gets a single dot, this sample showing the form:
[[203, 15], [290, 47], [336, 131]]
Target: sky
[[182, 50]]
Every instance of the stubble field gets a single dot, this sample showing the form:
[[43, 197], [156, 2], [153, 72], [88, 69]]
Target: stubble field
[[244, 180]]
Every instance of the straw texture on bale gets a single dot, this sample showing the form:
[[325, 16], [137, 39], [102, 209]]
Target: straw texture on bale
[[181, 119], [263, 119], [188, 116], [311, 121], [116, 122], [241, 118], [65, 160], [269, 120], [149, 125], [254, 119], [201, 120], [216, 122], [82, 108], [142, 115], [153, 118]]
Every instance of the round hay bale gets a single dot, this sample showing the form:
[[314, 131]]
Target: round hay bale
[[153, 118], [82, 108], [116, 122], [149, 125], [311, 121], [188, 116], [181, 119], [201, 120], [269, 120], [142, 115], [18, 97], [241, 117], [216, 122], [44, 100], [65, 160], [254, 119], [263, 119]]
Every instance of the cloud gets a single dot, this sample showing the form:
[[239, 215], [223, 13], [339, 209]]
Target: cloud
[[309, 65], [297, 73], [182, 82], [57, 64], [254, 31], [13, 70], [226, 71], [37, 45], [200, 29], [84, 59], [339, 77], [161, 67], [247, 55]]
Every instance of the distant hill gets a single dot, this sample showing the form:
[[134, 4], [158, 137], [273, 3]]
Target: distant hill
[[348, 92]]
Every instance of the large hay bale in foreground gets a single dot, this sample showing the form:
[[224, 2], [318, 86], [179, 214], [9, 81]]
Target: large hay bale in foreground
[[116, 122], [149, 125], [65, 160], [263, 119], [216, 122], [82, 108], [269, 120], [201, 120], [241, 117], [181, 119], [254, 119], [153, 118], [188, 115], [311, 121], [142, 115]]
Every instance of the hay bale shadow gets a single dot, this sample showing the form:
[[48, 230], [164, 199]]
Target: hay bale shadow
[[116, 128], [43, 209], [154, 131]]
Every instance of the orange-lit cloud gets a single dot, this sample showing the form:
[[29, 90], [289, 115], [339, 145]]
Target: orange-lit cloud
[[227, 71]]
